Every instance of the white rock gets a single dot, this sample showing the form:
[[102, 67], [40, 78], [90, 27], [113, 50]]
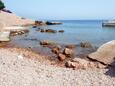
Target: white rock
[[20, 57]]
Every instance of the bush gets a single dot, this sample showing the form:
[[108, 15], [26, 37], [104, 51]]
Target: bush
[[1, 5]]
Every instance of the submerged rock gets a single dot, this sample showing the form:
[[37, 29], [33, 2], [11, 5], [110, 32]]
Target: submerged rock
[[14, 33], [85, 45], [71, 46], [105, 53], [34, 26], [45, 42], [61, 31], [50, 31], [42, 30]]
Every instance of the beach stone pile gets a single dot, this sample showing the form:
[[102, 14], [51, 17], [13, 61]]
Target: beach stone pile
[[19, 70]]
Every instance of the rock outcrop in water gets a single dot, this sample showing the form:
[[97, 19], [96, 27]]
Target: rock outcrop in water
[[105, 54]]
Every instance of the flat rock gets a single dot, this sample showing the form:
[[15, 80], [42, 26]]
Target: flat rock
[[105, 53], [5, 36]]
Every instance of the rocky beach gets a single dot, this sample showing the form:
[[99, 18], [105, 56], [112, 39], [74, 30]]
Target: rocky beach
[[27, 60]]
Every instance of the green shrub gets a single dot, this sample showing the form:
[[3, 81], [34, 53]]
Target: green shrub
[[1, 5]]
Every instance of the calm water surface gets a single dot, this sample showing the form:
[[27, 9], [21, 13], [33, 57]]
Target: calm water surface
[[76, 31]]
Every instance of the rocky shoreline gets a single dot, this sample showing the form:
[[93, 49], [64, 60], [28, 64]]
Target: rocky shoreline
[[23, 67]]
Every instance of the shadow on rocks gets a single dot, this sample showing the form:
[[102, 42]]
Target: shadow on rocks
[[111, 71]]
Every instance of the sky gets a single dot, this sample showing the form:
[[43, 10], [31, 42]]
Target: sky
[[63, 9]]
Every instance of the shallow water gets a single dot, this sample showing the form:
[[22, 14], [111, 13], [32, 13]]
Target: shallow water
[[76, 31]]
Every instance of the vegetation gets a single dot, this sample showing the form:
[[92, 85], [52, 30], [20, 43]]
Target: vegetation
[[1, 5]]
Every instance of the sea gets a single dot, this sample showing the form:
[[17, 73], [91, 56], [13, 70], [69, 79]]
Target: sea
[[75, 32]]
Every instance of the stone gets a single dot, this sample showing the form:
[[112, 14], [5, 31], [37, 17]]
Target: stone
[[45, 42], [70, 64], [42, 30], [61, 57], [38, 22], [85, 45], [14, 33], [84, 63], [61, 31], [50, 31], [34, 26], [53, 23], [56, 50], [68, 51], [105, 54]]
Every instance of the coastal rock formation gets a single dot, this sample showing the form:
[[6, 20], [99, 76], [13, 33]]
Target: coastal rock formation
[[105, 54], [11, 19]]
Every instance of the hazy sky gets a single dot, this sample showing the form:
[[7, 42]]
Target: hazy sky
[[63, 9]]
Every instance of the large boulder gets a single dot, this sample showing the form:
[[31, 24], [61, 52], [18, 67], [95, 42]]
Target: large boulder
[[105, 54]]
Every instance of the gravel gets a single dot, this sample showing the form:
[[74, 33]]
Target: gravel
[[18, 70]]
